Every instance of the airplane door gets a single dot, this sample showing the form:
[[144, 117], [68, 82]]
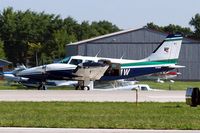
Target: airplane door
[[114, 69]]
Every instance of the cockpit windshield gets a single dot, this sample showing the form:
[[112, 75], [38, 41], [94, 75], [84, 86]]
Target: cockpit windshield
[[65, 60]]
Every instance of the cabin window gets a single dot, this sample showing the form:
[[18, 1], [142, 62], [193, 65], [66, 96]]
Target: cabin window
[[114, 65], [89, 61], [75, 61], [144, 88]]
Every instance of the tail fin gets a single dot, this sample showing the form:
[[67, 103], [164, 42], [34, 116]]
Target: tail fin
[[168, 50]]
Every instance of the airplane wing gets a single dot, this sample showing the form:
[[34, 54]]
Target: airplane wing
[[90, 70]]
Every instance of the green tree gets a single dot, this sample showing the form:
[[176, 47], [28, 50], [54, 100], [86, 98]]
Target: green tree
[[153, 26], [34, 50], [2, 53], [61, 38], [20, 28], [171, 29], [104, 27], [8, 33], [87, 31], [196, 23]]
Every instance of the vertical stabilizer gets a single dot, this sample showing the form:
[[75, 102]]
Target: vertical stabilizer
[[168, 50]]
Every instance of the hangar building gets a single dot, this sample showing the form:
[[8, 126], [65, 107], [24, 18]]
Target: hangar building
[[138, 44]]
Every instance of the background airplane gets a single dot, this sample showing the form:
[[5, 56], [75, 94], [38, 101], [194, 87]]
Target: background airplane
[[161, 77], [86, 69], [11, 76]]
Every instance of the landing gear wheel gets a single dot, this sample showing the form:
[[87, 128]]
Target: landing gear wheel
[[78, 88], [42, 87], [195, 97], [86, 88]]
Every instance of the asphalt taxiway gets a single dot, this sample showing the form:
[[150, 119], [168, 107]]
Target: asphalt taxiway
[[92, 96]]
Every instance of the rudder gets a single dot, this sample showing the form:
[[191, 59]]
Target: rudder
[[169, 49]]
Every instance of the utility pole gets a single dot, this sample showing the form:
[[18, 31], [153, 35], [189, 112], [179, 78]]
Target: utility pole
[[136, 96]]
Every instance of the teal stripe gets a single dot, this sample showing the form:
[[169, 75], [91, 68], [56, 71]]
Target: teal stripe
[[174, 61]]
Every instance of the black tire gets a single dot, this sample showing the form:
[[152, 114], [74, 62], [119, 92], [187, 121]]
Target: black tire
[[195, 97], [40, 87], [78, 88]]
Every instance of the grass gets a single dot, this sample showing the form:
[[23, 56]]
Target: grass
[[11, 86], [16, 86], [99, 115], [177, 85]]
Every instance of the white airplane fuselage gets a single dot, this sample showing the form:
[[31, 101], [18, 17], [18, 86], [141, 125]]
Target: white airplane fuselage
[[85, 68], [65, 71]]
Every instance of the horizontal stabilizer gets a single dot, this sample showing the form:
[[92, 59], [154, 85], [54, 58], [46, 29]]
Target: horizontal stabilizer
[[172, 66], [176, 66]]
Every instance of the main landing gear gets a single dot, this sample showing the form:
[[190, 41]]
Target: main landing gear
[[85, 85]]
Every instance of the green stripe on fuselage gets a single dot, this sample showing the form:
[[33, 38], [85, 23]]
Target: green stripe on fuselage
[[159, 62]]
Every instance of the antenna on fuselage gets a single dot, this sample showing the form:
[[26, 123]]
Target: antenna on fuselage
[[122, 56], [98, 53]]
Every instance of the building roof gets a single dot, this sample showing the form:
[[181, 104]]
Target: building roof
[[104, 36], [126, 31]]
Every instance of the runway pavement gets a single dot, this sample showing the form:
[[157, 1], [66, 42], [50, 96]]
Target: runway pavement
[[73, 130], [92, 96]]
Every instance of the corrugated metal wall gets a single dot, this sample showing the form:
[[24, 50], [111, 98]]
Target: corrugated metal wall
[[189, 57], [139, 44], [128, 51], [71, 50]]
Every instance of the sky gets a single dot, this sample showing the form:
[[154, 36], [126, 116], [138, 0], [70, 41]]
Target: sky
[[126, 14]]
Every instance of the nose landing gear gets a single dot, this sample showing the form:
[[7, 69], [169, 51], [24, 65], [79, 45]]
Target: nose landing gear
[[42, 86]]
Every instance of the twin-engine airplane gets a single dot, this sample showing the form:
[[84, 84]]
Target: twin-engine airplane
[[87, 69]]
